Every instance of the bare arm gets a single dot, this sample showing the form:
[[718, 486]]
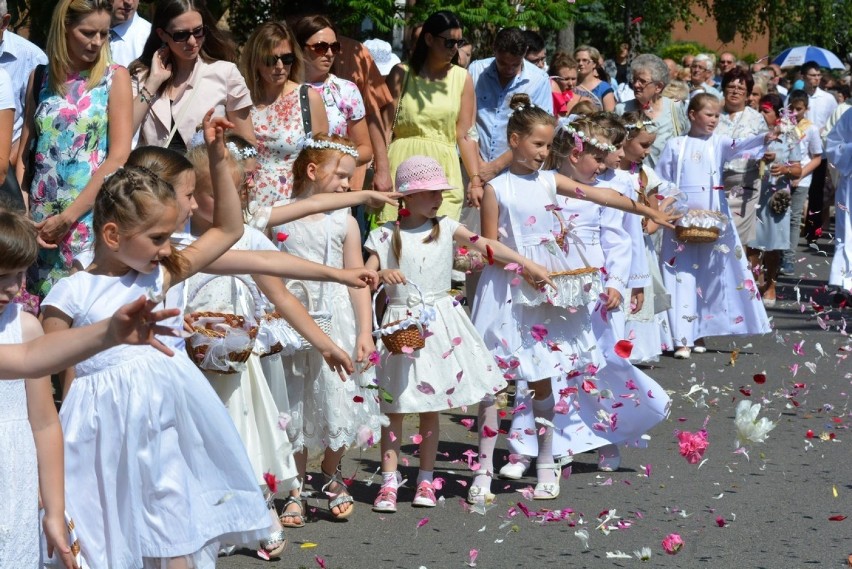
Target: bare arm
[[360, 135], [27, 132], [489, 170], [489, 214], [241, 119], [320, 203], [493, 250], [468, 148], [7, 123], [319, 118], [352, 259], [377, 126]]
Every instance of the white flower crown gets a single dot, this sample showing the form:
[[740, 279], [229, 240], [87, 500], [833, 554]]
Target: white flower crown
[[640, 124], [581, 138], [328, 145], [244, 154]]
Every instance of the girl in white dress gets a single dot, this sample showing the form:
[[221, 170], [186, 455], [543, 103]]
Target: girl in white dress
[[454, 368], [532, 341], [647, 325], [156, 473], [617, 404], [327, 412], [712, 288]]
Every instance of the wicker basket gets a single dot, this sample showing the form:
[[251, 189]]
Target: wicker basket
[[212, 328], [697, 234], [321, 317], [574, 272], [275, 348], [410, 336]]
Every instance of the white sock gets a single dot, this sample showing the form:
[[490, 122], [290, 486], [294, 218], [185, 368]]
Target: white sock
[[544, 409], [424, 476], [487, 417], [390, 479]]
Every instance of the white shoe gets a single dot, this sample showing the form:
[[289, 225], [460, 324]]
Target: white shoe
[[514, 471], [682, 353], [547, 490], [480, 494], [699, 349]]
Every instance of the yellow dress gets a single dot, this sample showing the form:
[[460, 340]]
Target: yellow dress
[[426, 125]]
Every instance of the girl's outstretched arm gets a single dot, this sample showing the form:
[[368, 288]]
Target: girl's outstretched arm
[[493, 251], [227, 225], [607, 197], [320, 203], [287, 266], [133, 323], [289, 307]]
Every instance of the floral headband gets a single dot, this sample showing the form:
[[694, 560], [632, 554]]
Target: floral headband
[[640, 124], [329, 145], [581, 138], [522, 107], [241, 154]]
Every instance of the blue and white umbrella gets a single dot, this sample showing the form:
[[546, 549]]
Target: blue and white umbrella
[[796, 56]]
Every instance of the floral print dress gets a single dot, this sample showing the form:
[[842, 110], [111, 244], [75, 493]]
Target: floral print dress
[[72, 133], [280, 131], [343, 103]]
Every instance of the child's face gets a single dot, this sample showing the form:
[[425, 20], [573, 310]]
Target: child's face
[[185, 197], [800, 108], [613, 159], [247, 189], [143, 248], [769, 115], [705, 119], [10, 285], [424, 204], [333, 176], [532, 149], [586, 165], [638, 148]]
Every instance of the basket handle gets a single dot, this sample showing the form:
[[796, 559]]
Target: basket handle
[[250, 284], [376, 294], [304, 287]]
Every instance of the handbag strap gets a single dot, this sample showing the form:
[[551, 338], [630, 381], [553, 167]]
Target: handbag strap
[[183, 110], [399, 104], [305, 106]]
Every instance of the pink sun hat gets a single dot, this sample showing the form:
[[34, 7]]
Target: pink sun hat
[[421, 174]]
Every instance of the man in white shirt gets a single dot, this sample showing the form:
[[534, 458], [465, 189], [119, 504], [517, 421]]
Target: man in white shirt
[[18, 57], [129, 32], [701, 76]]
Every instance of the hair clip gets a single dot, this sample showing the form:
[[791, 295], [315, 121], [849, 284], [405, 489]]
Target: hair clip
[[640, 124], [329, 145], [581, 137], [241, 154]]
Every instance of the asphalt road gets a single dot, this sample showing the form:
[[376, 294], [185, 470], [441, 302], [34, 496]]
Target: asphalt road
[[772, 508]]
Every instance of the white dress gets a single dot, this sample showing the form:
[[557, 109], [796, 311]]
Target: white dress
[[713, 292], [526, 225], [246, 394], [454, 368], [19, 519], [648, 328], [838, 151], [624, 403], [325, 411], [153, 465]]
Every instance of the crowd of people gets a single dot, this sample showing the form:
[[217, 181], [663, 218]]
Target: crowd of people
[[199, 228]]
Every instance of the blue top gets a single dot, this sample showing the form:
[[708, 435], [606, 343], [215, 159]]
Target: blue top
[[492, 102]]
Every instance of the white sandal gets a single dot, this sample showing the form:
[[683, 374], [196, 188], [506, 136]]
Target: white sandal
[[547, 490], [480, 494]]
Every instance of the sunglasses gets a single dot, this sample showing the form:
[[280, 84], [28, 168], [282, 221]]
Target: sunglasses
[[183, 35], [450, 43], [322, 47], [285, 59]]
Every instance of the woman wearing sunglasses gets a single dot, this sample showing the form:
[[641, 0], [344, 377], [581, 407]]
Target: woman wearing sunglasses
[[76, 115], [273, 67], [436, 108], [344, 104], [186, 68]]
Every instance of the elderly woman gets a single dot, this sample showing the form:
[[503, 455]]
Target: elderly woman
[[760, 88], [589, 84], [741, 176], [650, 76]]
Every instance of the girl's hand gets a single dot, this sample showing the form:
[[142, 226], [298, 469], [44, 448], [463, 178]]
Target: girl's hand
[[392, 277], [376, 199], [537, 275], [358, 278], [364, 346], [637, 300], [214, 132], [659, 215], [339, 361], [56, 535], [613, 298], [52, 230], [160, 71], [136, 323]]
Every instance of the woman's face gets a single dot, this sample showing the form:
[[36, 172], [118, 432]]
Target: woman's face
[[754, 98], [567, 78], [644, 88], [86, 38], [438, 44], [736, 95], [320, 50], [585, 65], [189, 48], [273, 70]]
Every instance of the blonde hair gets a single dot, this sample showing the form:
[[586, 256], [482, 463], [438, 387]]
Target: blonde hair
[[564, 142], [129, 198], [18, 245], [67, 14], [316, 155], [260, 44]]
